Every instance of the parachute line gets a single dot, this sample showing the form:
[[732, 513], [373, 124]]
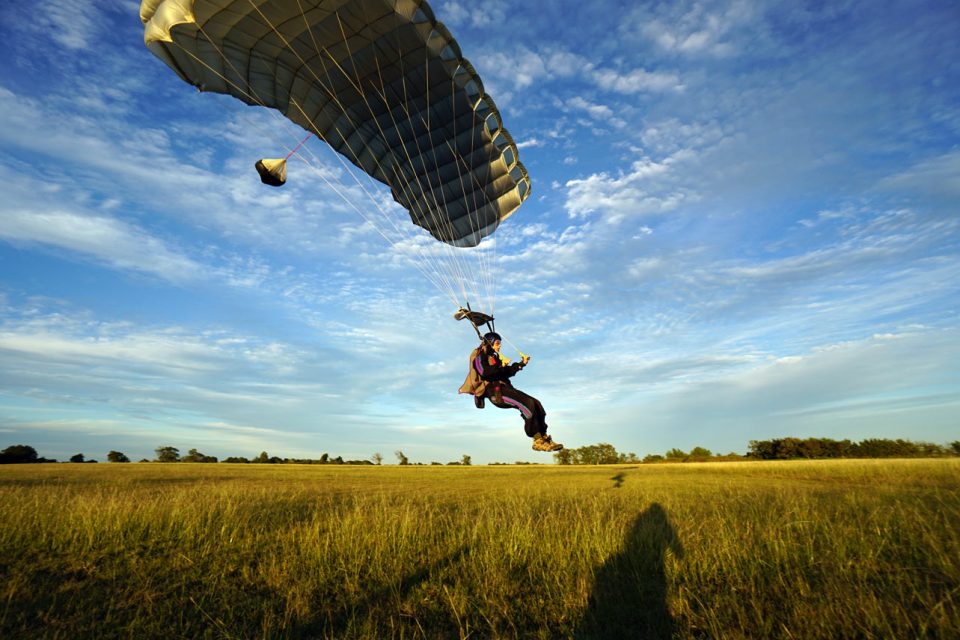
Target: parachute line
[[294, 150]]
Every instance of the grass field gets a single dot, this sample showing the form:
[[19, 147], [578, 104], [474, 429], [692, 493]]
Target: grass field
[[856, 549]]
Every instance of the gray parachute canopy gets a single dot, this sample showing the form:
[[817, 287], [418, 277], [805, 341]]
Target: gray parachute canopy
[[381, 81]]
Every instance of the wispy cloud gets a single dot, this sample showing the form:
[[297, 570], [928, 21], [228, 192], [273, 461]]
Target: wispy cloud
[[644, 190], [108, 240], [531, 142], [488, 14], [524, 67], [939, 175], [691, 28], [857, 383], [600, 111], [636, 81]]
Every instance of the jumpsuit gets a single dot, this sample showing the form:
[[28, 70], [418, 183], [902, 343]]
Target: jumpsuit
[[490, 367]]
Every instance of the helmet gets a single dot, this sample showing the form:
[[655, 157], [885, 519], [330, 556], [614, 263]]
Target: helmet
[[492, 337]]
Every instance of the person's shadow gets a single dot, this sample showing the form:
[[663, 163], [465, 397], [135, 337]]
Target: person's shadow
[[629, 597]]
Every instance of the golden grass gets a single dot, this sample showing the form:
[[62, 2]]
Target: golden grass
[[782, 549]]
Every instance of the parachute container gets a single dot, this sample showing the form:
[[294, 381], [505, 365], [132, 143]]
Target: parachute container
[[381, 81]]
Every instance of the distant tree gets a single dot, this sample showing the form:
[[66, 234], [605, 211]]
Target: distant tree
[[955, 448], [652, 457], [465, 460], [810, 448], [700, 453], [167, 454], [195, 456], [263, 458], [116, 456], [602, 453], [931, 450], [377, 458], [762, 449], [20, 454], [836, 448], [883, 448], [628, 458], [236, 460], [325, 458], [402, 459], [676, 455], [728, 457], [76, 457]]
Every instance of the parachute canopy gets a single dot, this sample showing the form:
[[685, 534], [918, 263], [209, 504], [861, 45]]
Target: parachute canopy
[[381, 81]]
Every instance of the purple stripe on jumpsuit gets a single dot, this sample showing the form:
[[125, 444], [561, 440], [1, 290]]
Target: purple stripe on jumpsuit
[[523, 409]]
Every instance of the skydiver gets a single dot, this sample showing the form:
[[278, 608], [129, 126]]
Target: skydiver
[[489, 377]]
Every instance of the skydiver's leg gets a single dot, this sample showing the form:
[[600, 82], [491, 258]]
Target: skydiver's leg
[[534, 416]]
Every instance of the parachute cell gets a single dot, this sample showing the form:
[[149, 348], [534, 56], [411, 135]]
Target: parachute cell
[[381, 81]]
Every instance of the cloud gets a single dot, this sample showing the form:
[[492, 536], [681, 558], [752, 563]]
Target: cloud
[[694, 28], [636, 81], [939, 175], [522, 68], [66, 342], [876, 386], [71, 23], [74, 25], [644, 190], [92, 147], [119, 370], [671, 135], [490, 13], [861, 377], [529, 143], [599, 111], [108, 240]]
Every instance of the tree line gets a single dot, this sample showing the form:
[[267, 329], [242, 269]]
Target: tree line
[[601, 453], [605, 453], [25, 454], [818, 448], [776, 449]]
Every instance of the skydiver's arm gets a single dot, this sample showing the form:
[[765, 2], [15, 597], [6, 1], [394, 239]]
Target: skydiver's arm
[[491, 368]]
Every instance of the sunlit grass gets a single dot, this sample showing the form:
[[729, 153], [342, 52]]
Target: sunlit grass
[[788, 549]]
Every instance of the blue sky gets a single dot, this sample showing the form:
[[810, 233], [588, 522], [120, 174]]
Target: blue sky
[[744, 225]]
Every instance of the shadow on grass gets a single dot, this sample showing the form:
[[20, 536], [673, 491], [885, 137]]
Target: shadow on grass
[[629, 597]]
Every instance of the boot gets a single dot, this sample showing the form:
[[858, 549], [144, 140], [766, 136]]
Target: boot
[[545, 443]]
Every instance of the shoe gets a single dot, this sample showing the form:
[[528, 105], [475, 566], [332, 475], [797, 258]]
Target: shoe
[[545, 443]]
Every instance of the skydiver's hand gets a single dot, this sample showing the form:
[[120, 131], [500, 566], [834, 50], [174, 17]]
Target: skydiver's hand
[[524, 360]]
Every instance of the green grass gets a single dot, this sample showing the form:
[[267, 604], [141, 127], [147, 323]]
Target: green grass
[[757, 550]]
